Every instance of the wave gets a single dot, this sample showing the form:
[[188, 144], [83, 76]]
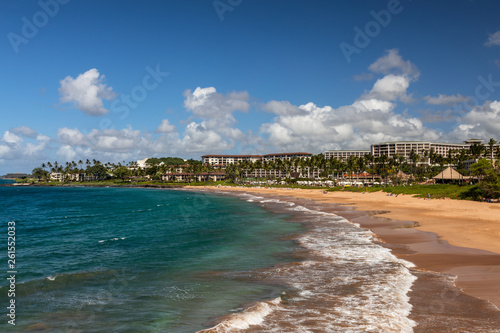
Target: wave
[[379, 281], [112, 239], [253, 315]]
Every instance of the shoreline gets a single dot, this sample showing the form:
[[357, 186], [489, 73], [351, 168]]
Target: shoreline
[[446, 236]]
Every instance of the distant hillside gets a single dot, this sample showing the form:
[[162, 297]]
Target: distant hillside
[[15, 176]]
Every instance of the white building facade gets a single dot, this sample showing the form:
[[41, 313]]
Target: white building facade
[[422, 148], [345, 154], [222, 160]]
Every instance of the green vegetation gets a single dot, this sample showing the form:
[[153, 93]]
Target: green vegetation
[[356, 189], [489, 179], [430, 191], [421, 191], [165, 160], [122, 172]]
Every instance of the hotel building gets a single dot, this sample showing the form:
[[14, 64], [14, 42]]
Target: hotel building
[[223, 160], [228, 159], [404, 148], [345, 154], [285, 156]]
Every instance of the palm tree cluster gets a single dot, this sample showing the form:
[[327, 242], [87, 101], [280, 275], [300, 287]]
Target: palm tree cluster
[[78, 171], [94, 170]]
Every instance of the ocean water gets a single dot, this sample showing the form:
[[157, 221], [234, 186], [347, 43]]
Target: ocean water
[[138, 260], [154, 260]]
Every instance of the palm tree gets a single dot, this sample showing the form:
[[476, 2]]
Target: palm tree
[[233, 172], [369, 161], [396, 162], [39, 173], [306, 164], [475, 150], [382, 166], [280, 166], [442, 161], [414, 158], [351, 165], [492, 143], [360, 163]]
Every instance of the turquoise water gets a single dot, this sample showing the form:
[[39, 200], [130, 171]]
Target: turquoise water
[[135, 260]]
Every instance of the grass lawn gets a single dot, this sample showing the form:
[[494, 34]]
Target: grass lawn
[[421, 191]]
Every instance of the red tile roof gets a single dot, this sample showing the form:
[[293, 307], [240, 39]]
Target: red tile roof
[[288, 154], [231, 156]]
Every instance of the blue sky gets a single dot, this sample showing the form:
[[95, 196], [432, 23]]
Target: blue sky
[[125, 80]]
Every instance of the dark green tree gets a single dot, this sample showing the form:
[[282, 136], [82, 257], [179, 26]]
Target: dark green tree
[[122, 172], [40, 173], [98, 171]]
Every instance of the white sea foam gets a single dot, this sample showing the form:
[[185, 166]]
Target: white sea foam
[[350, 284], [249, 197], [112, 239], [354, 285], [253, 315], [51, 278]]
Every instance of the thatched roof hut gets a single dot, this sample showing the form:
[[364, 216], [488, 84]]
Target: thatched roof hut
[[403, 176], [449, 174]]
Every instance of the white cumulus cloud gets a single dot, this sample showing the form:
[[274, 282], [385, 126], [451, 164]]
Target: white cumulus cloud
[[24, 131], [71, 136], [370, 119], [282, 108], [208, 103], [11, 138], [393, 63], [493, 39], [14, 147], [389, 88], [481, 122], [197, 138], [446, 99], [87, 92], [66, 153], [166, 127]]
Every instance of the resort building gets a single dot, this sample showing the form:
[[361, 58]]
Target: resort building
[[200, 177], [345, 154], [223, 160], [228, 159], [285, 156], [141, 163], [422, 148], [177, 168], [78, 177], [59, 176]]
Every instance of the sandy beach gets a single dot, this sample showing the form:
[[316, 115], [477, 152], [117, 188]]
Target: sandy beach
[[460, 238]]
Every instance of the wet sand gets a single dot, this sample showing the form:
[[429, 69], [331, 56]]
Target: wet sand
[[455, 238]]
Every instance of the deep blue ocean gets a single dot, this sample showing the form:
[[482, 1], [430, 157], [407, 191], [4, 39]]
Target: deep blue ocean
[[134, 260]]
